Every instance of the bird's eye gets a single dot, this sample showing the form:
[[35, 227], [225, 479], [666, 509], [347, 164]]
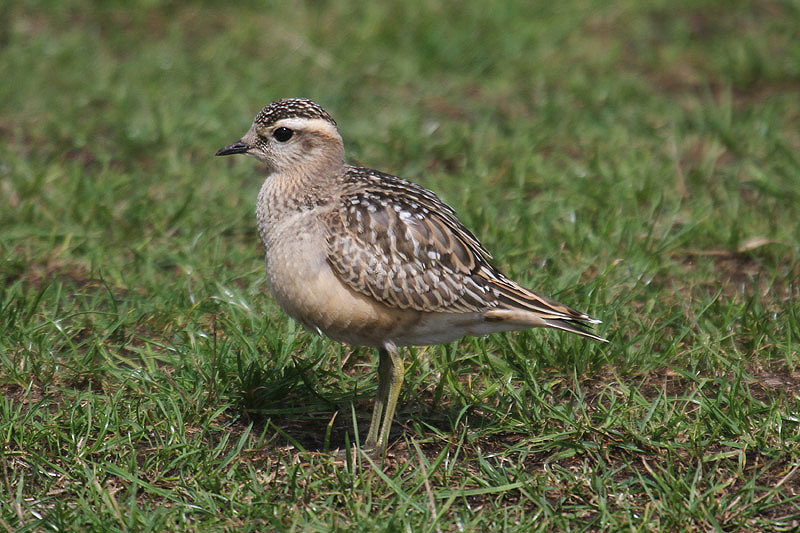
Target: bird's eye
[[282, 134]]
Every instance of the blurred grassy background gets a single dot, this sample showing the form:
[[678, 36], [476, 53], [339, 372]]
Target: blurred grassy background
[[637, 160]]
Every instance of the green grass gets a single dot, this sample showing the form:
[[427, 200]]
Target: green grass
[[637, 160]]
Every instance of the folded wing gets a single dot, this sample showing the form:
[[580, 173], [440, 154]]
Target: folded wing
[[398, 243]]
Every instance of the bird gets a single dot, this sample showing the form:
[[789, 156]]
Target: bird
[[370, 259]]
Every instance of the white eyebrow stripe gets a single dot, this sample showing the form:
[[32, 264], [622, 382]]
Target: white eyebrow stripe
[[307, 124]]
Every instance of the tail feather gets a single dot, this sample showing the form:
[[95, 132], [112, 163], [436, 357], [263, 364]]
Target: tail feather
[[522, 306], [575, 327], [521, 319]]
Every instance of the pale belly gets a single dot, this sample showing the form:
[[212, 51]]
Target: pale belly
[[305, 286]]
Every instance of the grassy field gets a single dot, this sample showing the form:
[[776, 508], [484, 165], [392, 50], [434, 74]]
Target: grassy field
[[636, 160]]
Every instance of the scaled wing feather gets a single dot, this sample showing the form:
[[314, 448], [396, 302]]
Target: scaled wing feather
[[398, 243]]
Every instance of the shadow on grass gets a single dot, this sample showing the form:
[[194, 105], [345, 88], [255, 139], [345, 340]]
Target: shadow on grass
[[285, 402]]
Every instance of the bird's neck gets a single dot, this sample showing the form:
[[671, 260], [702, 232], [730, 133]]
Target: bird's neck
[[289, 192]]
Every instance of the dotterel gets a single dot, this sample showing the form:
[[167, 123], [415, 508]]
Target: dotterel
[[371, 259]]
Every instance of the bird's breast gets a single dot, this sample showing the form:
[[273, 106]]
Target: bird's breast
[[302, 281]]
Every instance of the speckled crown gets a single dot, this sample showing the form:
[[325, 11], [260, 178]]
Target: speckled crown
[[292, 108]]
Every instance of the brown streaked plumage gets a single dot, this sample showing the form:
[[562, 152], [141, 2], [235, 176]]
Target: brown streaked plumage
[[370, 259]]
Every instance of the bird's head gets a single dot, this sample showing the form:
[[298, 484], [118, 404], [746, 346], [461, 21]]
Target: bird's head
[[291, 134]]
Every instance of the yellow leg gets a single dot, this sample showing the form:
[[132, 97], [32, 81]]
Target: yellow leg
[[390, 382], [396, 376], [380, 399]]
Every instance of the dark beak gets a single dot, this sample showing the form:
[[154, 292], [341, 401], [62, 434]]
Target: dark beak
[[236, 148]]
